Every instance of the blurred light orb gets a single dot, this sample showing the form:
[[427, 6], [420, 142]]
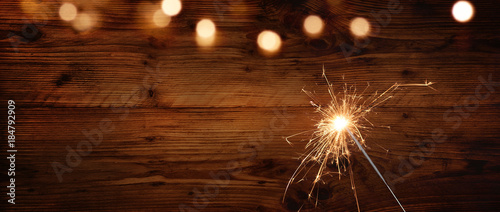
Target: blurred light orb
[[269, 41], [360, 27], [313, 25], [83, 22], [463, 11], [67, 12], [171, 7], [160, 19], [205, 28]]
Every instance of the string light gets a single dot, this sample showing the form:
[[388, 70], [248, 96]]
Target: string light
[[83, 22], [205, 28], [463, 11], [205, 32], [160, 19], [67, 12], [171, 7], [313, 25], [360, 27], [269, 41]]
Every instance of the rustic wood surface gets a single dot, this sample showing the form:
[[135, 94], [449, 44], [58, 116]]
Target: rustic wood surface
[[181, 113]]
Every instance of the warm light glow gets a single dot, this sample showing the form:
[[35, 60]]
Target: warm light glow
[[205, 28], [83, 22], [343, 122], [205, 31], [463, 11], [160, 19], [171, 7], [360, 27], [313, 25], [339, 123], [67, 12], [269, 41]]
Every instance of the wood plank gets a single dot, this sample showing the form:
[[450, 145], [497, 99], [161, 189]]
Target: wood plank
[[182, 114], [155, 158]]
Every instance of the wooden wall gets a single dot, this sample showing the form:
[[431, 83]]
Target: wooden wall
[[173, 115]]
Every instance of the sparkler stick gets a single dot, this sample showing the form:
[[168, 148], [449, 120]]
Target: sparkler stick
[[343, 118], [373, 165]]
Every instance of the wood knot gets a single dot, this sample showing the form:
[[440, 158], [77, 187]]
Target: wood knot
[[407, 73], [63, 79]]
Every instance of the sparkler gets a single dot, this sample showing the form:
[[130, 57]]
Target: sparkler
[[340, 127]]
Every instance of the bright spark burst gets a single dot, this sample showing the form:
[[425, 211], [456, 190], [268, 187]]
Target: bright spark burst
[[339, 123], [339, 127]]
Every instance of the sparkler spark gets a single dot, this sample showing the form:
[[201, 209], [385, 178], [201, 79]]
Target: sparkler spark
[[339, 123], [340, 127]]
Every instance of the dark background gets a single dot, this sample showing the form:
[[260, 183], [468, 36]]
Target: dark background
[[180, 113]]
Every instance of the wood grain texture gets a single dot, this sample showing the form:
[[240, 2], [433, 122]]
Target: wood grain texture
[[181, 114]]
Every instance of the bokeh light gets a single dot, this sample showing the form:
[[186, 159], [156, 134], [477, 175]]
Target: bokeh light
[[67, 11], [313, 25], [269, 41], [171, 7], [205, 28], [205, 32], [83, 22], [360, 27], [463, 11], [160, 19]]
